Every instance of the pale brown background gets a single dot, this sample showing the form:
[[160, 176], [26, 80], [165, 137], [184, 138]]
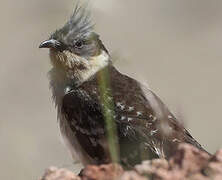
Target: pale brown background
[[174, 45]]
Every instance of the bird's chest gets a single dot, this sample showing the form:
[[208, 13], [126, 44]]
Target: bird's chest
[[83, 111], [81, 123], [72, 142]]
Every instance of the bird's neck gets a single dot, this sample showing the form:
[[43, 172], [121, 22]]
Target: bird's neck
[[61, 83]]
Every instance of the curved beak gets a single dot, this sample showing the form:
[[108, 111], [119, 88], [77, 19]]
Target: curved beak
[[51, 43]]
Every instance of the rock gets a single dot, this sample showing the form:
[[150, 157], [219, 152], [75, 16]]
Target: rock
[[214, 167], [54, 173], [103, 172], [189, 159], [188, 163], [131, 175]]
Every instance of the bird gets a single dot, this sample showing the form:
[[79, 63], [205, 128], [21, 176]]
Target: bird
[[104, 115]]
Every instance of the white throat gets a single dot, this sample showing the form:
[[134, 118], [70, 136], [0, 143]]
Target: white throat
[[60, 83], [94, 65]]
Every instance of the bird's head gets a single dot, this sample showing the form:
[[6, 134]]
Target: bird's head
[[76, 49]]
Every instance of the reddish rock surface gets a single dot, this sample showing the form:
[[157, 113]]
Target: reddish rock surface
[[103, 172], [54, 173], [188, 163]]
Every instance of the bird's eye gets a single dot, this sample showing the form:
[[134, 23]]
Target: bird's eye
[[79, 44]]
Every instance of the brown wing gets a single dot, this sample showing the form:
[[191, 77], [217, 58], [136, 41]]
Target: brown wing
[[143, 116], [172, 132]]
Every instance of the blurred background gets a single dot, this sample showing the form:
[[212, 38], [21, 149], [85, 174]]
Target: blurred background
[[174, 46]]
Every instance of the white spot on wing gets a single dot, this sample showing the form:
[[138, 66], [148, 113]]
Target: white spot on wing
[[123, 117], [157, 151], [154, 118], [148, 124], [131, 109], [127, 128], [120, 105], [138, 113], [130, 119], [153, 132]]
